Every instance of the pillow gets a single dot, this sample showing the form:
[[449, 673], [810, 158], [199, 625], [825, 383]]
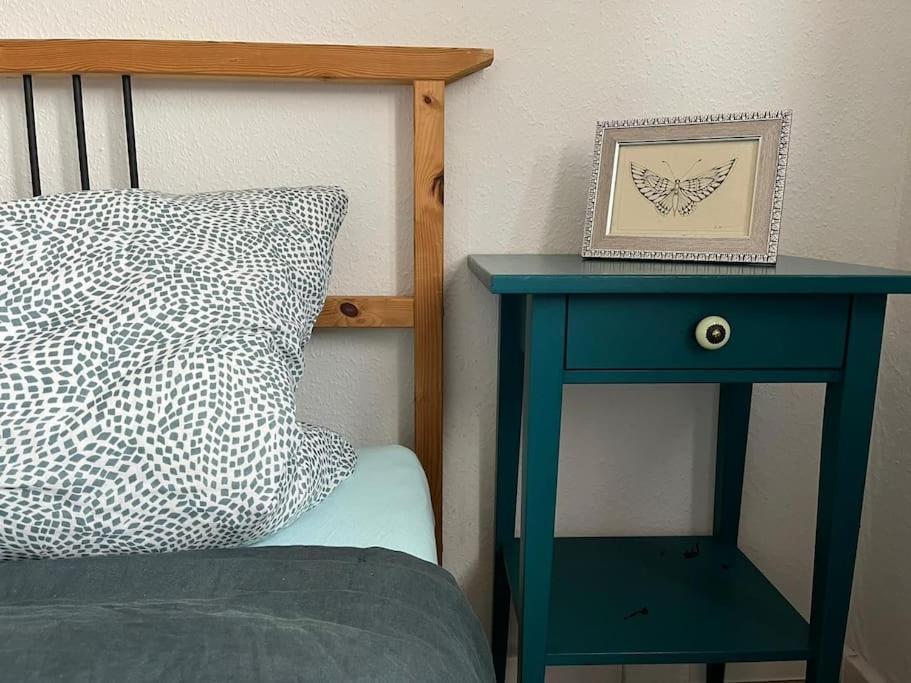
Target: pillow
[[149, 349]]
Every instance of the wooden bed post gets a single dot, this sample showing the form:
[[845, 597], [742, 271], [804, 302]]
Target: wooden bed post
[[428, 290]]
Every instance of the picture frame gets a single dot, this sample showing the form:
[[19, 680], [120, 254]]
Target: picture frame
[[726, 207]]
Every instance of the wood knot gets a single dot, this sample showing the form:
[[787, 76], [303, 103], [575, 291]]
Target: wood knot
[[436, 188], [348, 309], [428, 99]]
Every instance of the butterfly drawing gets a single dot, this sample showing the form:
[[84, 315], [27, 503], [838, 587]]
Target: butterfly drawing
[[678, 196]]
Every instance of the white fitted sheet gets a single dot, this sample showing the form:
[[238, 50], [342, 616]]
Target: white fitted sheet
[[384, 503]]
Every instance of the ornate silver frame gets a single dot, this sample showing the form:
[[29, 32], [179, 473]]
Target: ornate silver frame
[[773, 128]]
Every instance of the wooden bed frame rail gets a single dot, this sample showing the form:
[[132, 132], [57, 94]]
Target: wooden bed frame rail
[[426, 69]]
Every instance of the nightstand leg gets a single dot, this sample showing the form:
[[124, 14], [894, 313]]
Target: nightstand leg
[[714, 673], [509, 429], [544, 348], [730, 456], [847, 423]]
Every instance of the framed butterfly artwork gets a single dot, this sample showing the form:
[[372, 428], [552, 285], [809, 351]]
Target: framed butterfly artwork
[[688, 188]]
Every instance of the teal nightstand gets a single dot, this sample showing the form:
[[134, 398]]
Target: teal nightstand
[[564, 320]]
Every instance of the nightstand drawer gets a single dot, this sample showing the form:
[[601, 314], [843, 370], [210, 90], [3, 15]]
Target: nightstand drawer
[[645, 331]]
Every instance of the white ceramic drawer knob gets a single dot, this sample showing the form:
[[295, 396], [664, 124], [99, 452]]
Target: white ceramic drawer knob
[[713, 332]]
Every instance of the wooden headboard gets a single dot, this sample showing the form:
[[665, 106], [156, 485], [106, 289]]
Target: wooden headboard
[[426, 69]]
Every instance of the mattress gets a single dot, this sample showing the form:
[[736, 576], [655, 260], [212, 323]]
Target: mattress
[[385, 503]]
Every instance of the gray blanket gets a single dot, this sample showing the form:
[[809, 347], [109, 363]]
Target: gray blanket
[[246, 614]]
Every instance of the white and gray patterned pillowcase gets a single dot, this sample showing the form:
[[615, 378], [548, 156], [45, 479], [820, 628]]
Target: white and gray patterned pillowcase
[[149, 349]]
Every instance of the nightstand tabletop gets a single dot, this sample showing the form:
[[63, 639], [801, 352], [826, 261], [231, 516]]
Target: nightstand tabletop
[[571, 274]]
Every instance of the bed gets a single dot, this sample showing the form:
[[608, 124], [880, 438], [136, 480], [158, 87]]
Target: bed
[[384, 503], [352, 589]]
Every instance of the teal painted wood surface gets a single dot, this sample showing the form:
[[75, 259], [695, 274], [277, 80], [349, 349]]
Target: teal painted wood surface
[[663, 601], [545, 342], [714, 672], [734, 401], [511, 366], [767, 375], [650, 331], [571, 274], [847, 421]]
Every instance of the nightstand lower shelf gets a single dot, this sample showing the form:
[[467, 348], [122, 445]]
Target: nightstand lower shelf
[[662, 600]]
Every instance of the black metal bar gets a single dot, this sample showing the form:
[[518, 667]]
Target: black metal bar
[[31, 134], [131, 131], [80, 132]]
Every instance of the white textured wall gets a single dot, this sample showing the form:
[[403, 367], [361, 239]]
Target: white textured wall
[[636, 459]]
